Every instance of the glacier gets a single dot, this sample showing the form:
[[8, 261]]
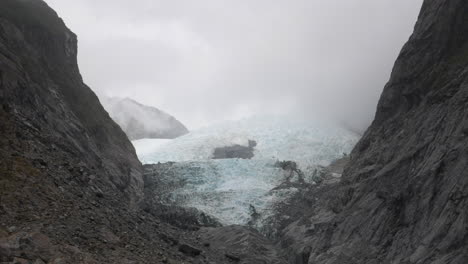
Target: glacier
[[228, 189]]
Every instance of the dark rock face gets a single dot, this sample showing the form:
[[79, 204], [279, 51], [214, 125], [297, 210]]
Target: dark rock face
[[189, 250], [235, 151], [404, 195], [72, 192], [140, 121], [71, 187], [241, 245], [44, 98], [70, 181]]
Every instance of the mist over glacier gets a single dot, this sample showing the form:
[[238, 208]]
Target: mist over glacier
[[310, 141], [228, 189], [223, 64], [210, 60]]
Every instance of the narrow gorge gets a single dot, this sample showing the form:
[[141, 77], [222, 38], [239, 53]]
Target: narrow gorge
[[279, 189]]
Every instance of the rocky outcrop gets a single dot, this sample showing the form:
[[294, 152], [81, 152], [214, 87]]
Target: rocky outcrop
[[235, 151], [239, 244], [71, 187], [70, 181], [140, 121], [45, 103], [404, 195]]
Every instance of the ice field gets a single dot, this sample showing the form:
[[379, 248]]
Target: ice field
[[226, 189]]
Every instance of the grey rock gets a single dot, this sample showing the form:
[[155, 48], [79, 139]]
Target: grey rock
[[189, 250], [232, 257], [242, 244], [403, 198], [26, 245], [44, 97], [235, 151], [71, 183]]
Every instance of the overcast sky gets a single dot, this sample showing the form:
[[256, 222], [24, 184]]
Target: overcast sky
[[210, 60]]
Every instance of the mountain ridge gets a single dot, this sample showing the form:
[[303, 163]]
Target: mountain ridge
[[141, 121], [72, 189], [71, 185], [403, 196]]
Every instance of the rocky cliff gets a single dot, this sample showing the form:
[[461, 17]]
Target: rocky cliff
[[72, 191], [140, 121], [404, 195], [45, 103], [71, 187], [70, 181]]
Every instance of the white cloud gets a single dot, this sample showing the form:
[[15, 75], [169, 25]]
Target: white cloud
[[209, 60]]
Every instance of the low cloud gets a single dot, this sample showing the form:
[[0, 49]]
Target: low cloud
[[210, 60]]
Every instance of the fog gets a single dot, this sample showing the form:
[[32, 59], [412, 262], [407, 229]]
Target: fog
[[209, 60]]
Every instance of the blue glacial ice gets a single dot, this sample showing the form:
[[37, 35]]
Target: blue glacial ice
[[226, 189]]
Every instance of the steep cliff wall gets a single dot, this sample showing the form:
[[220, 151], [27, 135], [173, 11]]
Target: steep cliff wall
[[69, 175], [43, 92], [71, 186], [404, 196], [70, 180]]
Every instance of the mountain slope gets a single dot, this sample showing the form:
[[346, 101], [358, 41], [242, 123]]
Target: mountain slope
[[43, 90], [404, 195], [71, 186], [70, 183], [140, 121]]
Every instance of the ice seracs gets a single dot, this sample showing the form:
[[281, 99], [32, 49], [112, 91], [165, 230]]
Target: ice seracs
[[228, 188]]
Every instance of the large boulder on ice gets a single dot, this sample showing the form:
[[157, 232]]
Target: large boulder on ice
[[235, 151]]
